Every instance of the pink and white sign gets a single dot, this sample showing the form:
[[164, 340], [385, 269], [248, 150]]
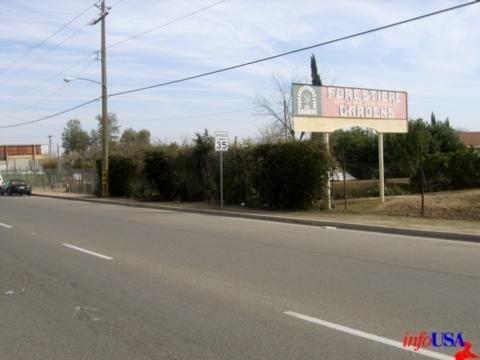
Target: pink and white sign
[[347, 102]]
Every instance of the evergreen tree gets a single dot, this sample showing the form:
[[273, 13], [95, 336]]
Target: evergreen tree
[[316, 80], [74, 138]]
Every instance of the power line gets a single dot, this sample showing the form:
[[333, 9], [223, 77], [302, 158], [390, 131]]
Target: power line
[[114, 44], [55, 76], [46, 98], [118, 2], [166, 24], [254, 61], [197, 116], [52, 115], [347, 37], [22, 70], [47, 38]]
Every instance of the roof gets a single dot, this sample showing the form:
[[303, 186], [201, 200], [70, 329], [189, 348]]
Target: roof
[[470, 138]]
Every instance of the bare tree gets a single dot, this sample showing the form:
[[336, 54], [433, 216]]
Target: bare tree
[[278, 106], [271, 133]]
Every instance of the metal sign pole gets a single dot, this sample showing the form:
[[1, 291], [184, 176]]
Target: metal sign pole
[[381, 176], [326, 139], [344, 179], [422, 178], [221, 145], [221, 179]]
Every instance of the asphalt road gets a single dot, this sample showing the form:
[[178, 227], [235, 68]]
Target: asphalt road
[[165, 285]]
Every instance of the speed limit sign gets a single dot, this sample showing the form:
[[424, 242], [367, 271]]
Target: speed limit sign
[[221, 141]]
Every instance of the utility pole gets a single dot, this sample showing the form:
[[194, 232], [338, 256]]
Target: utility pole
[[105, 132], [50, 146], [285, 117]]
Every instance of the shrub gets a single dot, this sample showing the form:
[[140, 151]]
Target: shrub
[[121, 175], [160, 173], [449, 171], [464, 169], [290, 174], [50, 164], [188, 184], [237, 166]]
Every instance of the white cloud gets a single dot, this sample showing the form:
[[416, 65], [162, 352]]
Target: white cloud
[[435, 59]]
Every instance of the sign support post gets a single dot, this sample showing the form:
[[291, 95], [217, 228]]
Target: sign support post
[[381, 175], [326, 140], [221, 145], [221, 179]]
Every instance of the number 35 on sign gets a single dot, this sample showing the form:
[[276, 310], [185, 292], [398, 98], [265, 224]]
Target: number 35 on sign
[[221, 141]]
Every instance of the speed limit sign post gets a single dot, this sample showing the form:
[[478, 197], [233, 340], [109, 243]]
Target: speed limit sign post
[[221, 145]]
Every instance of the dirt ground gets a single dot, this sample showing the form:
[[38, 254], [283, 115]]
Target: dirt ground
[[451, 205]]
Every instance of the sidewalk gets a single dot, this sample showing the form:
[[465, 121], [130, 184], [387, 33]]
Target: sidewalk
[[411, 226]]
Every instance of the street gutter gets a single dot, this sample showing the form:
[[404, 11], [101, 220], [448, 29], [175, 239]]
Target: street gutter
[[443, 235]]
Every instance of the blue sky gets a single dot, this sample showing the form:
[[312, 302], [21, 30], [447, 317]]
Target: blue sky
[[437, 61]]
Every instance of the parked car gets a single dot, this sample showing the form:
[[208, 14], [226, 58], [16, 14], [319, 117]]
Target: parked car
[[19, 187]]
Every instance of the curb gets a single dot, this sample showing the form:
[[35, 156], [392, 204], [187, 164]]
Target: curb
[[443, 235]]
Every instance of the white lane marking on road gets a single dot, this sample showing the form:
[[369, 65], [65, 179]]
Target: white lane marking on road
[[5, 226], [365, 335], [88, 252]]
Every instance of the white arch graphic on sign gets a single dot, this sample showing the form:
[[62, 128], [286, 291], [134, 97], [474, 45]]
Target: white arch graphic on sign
[[307, 100]]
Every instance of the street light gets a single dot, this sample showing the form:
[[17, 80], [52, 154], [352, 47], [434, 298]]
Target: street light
[[73, 78], [104, 176]]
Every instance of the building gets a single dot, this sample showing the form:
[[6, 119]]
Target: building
[[470, 138], [22, 158]]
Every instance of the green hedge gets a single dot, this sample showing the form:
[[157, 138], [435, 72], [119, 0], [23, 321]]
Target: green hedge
[[289, 175], [449, 171], [160, 173], [284, 175], [121, 175]]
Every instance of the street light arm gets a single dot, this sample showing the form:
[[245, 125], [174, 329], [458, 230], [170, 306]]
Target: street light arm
[[69, 79]]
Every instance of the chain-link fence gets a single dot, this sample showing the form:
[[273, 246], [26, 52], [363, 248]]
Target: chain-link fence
[[82, 181]]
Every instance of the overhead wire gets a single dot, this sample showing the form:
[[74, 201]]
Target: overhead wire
[[70, 109], [46, 98], [339, 39], [41, 56], [39, 44], [343, 38], [112, 45], [166, 24], [55, 76], [197, 116]]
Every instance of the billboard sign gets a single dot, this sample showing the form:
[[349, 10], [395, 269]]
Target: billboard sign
[[327, 108]]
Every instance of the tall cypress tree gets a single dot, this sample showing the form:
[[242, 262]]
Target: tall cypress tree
[[316, 80]]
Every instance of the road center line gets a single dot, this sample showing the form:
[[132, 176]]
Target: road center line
[[88, 252], [368, 336], [5, 226]]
